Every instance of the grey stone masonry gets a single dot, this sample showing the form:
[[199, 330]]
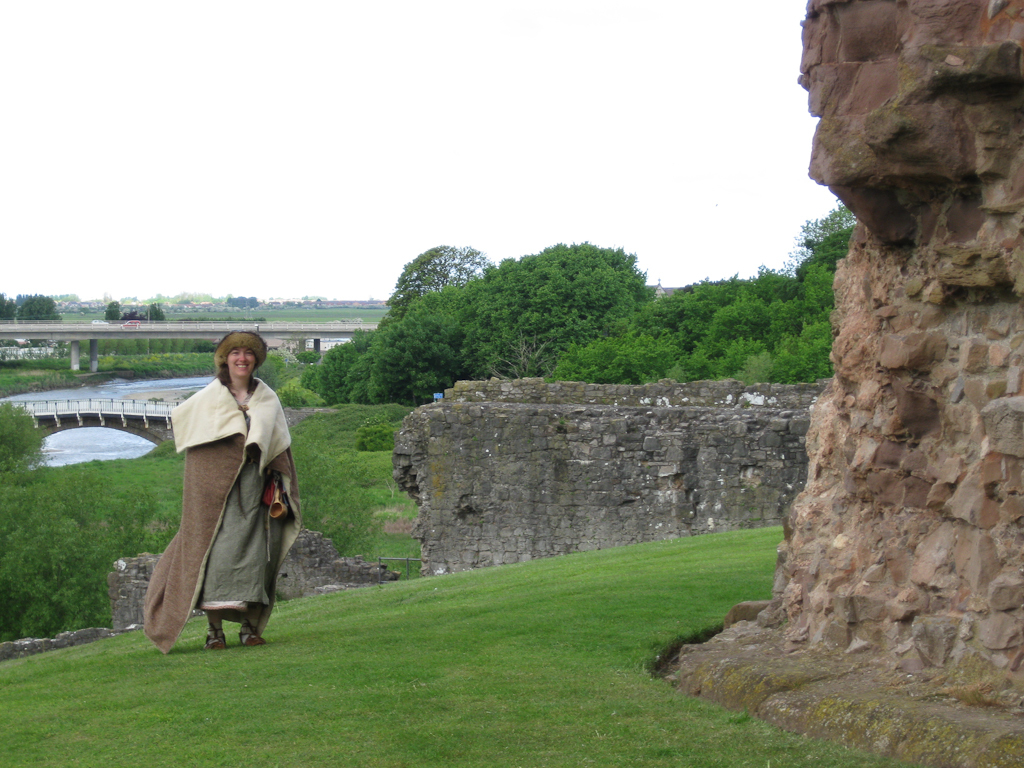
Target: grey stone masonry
[[313, 566], [126, 587], [507, 471], [726, 393]]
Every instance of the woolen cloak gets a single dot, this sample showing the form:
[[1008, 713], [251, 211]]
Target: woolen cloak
[[211, 430]]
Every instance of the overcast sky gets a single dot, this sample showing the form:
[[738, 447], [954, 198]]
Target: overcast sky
[[281, 149]]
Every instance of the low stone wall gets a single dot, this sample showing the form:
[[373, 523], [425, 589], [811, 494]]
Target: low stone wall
[[30, 646], [727, 393], [126, 587], [313, 567], [500, 481]]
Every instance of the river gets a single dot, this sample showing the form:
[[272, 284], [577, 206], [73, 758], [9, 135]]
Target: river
[[74, 446]]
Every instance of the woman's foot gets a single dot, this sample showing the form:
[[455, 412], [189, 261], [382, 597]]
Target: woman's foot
[[215, 640], [247, 635]]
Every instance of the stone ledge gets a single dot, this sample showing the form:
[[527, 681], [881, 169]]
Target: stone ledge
[[852, 699]]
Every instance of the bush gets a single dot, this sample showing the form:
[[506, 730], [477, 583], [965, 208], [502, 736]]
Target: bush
[[21, 444], [59, 535], [294, 395], [375, 437]]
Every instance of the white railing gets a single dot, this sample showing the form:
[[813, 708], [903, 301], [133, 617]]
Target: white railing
[[74, 408]]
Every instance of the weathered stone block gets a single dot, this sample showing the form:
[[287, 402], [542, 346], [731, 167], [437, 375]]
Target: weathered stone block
[[1006, 592], [934, 638], [1004, 425], [1001, 630]]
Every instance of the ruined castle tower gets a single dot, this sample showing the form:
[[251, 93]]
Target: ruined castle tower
[[909, 537]]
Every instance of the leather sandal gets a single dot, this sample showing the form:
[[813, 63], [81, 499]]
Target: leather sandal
[[247, 635], [215, 640]]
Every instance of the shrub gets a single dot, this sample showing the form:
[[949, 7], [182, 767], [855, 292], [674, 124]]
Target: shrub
[[294, 395], [375, 437], [21, 444], [59, 534]]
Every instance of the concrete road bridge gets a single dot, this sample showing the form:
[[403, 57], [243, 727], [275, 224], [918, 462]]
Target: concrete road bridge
[[139, 417], [75, 333]]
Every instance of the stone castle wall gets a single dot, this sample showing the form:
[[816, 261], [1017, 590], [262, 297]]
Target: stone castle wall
[[909, 538], [507, 471]]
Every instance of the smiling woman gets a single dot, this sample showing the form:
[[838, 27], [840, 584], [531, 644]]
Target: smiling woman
[[229, 548]]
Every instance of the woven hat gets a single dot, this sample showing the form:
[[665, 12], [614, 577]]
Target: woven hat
[[247, 339]]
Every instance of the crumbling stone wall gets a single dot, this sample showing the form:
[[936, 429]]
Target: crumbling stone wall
[[507, 471], [909, 537], [312, 567]]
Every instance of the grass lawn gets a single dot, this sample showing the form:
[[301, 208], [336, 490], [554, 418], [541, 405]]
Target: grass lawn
[[536, 664]]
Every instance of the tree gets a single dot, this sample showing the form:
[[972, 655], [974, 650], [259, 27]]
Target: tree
[[55, 550], [21, 444], [38, 307], [113, 311], [156, 313], [432, 271], [564, 295], [413, 358], [331, 379], [822, 241], [8, 308], [628, 359]]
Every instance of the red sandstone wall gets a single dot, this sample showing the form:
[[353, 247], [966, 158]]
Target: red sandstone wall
[[909, 535]]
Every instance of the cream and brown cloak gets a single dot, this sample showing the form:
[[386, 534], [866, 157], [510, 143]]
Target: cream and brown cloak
[[211, 429]]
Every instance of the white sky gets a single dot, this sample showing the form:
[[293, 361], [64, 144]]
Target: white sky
[[317, 146]]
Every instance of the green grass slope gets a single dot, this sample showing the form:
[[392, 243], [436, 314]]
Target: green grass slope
[[536, 664]]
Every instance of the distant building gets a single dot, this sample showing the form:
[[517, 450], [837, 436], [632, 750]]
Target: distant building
[[659, 292], [325, 344]]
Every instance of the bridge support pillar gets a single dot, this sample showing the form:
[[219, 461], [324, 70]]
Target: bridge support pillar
[[76, 352], [316, 344], [94, 355]]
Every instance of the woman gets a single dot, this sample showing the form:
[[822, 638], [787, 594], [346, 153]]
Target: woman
[[227, 552]]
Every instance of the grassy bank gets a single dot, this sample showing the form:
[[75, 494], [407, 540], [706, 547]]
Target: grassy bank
[[535, 664]]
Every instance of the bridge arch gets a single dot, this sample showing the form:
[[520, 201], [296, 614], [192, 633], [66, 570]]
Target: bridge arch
[[145, 419], [154, 433]]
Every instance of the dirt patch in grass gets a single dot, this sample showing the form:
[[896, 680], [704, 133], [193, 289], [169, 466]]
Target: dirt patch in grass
[[399, 526]]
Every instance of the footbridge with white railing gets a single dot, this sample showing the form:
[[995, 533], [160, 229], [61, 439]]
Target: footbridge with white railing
[[144, 418]]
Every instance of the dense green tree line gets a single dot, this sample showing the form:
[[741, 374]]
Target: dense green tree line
[[35, 307], [510, 319], [584, 313]]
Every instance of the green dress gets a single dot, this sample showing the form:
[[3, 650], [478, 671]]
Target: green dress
[[239, 570]]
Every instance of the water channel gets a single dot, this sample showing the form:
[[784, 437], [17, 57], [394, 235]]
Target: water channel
[[73, 446]]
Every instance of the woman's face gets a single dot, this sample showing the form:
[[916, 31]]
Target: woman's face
[[241, 363]]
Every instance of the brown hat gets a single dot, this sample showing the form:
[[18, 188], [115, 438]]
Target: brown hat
[[234, 339]]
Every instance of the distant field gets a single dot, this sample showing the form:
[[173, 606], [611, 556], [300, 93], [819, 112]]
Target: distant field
[[289, 314]]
